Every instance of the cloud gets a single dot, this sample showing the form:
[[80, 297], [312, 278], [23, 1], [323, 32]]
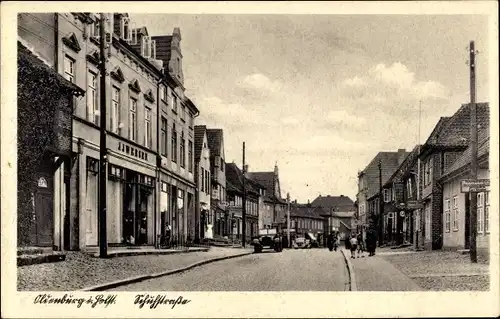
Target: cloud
[[289, 120], [342, 117], [259, 81], [392, 89], [216, 110]]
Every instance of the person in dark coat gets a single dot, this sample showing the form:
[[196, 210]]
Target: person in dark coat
[[371, 241]]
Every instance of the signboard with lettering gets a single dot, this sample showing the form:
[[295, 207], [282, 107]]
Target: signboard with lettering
[[474, 185]]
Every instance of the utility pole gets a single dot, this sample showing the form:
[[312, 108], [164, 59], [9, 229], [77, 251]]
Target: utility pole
[[103, 242], [244, 205], [381, 204], [288, 220], [473, 146], [419, 213]]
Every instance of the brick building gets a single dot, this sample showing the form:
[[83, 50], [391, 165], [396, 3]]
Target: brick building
[[446, 143], [307, 221]]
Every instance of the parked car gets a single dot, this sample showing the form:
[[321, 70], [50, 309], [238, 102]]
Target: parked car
[[268, 239], [301, 242]]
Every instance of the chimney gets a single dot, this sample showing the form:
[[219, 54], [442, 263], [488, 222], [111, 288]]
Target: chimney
[[246, 168], [276, 169], [401, 155]]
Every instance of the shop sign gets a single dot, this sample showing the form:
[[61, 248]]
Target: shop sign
[[474, 185], [132, 151]]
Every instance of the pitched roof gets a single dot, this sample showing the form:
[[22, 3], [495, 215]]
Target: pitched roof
[[338, 202], [304, 210], [455, 131], [199, 134], [266, 179], [390, 163], [406, 165], [234, 178], [214, 138], [464, 159]]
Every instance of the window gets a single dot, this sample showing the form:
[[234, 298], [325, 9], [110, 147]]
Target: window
[[386, 195], [69, 69], [222, 164], [190, 156], [183, 115], [174, 103], [480, 213], [409, 189], [163, 93], [173, 151], [428, 171], [147, 123], [126, 33], [455, 213], [94, 29], [164, 145], [428, 221], [183, 151], [146, 46], [92, 105], [447, 216], [132, 119], [115, 109], [487, 212], [202, 179], [208, 182]]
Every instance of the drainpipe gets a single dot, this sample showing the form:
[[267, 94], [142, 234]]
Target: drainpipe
[[197, 208], [158, 166], [56, 42]]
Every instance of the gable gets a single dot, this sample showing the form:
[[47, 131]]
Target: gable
[[134, 86], [71, 41], [117, 74], [93, 57]]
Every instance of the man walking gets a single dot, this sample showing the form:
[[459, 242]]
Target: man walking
[[371, 241]]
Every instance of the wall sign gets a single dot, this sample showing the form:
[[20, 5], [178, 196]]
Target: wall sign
[[133, 151], [42, 182]]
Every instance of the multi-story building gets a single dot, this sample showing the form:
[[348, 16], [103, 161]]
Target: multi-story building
[[369, 179], [201, 165], [456, 204], [44, 126], [306, 221], [149, 129], [273, 203], [446, 143], [216, 178], [234, 181]]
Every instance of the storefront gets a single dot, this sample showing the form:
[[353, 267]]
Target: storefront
[[131, 198]]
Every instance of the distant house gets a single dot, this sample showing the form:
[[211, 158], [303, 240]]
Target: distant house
[[369, 184], [456, 205], [339, 213], [274, 206], [446, 143], [307, 220]]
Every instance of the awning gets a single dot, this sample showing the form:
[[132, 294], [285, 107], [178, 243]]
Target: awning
[[311, 236]]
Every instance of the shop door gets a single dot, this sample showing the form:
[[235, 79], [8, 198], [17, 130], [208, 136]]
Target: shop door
[[91, 211], [42, 232]]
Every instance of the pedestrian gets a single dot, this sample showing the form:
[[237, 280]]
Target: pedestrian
[[361, 244], [168, 231], [354, 243], [371, 241]]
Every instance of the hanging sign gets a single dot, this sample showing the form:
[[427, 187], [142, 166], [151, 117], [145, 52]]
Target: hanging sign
[[42, 182], [474, 185]]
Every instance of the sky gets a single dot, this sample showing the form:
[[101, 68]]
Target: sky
[[321, 95]]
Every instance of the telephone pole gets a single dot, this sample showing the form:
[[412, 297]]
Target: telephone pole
[[288, 220], [381, 204], [103, 242], [473, 146], [244, 204], [419, 212]]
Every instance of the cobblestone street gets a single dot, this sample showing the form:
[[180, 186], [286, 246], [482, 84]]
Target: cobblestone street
[[81, 270]]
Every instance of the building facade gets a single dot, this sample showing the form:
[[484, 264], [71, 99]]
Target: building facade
[[445, 144], [306, 221], [234, 180], [456, 204], [220, 224], [149, 130], [202, 165]]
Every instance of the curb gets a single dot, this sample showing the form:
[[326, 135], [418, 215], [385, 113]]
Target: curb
[[350, 269], [131, 280], [150, 252], [27, 260]]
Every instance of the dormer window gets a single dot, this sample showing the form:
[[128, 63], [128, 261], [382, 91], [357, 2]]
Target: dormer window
[[125, 31], [148, 47]]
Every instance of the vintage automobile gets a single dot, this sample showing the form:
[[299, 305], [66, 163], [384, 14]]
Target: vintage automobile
[[301, 242], [268, 239]]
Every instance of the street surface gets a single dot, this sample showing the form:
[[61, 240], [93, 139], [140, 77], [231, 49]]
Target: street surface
[[291, 270]]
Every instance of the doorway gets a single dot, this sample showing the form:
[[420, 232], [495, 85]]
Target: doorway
[[42, 230]]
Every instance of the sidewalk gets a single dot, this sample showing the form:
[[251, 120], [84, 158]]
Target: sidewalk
[[81, 270], [376, 274], [441, 270]]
